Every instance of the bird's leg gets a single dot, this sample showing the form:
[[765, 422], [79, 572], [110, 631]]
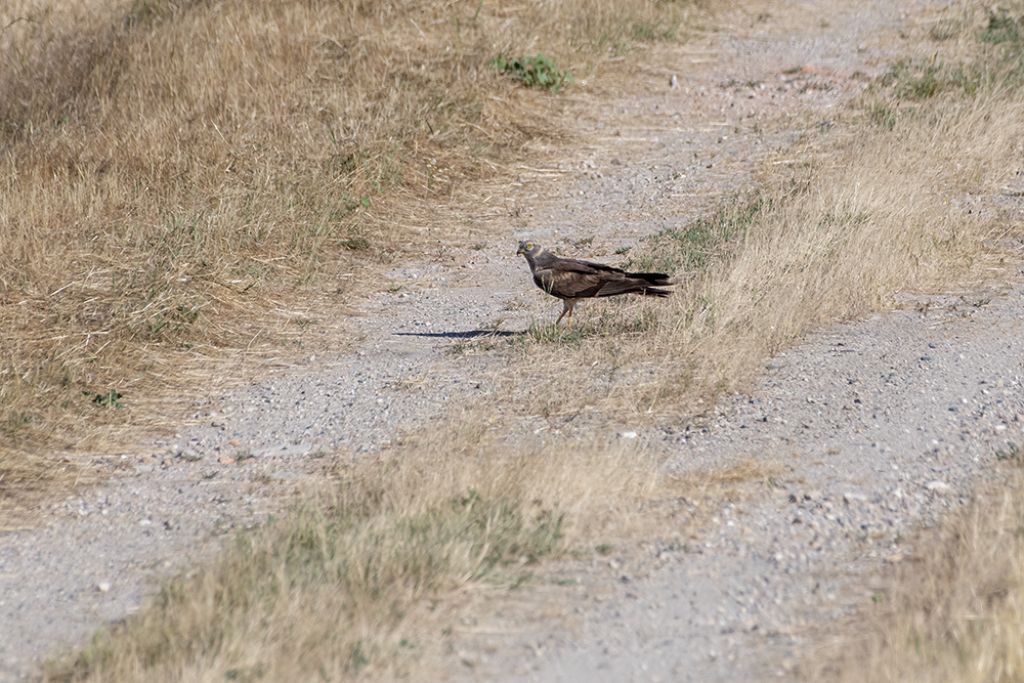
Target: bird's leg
[[566, 308], [570, 304]]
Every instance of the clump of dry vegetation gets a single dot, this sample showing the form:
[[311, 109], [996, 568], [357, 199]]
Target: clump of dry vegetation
[[956, 614], [175, 175], [360, 581], [338, 589]]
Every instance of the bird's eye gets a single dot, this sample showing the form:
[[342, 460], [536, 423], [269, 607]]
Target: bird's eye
[[529, 246]]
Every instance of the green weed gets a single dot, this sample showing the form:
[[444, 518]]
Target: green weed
[[110, 399], [914, 81], [1001, 28], [882, 114], [557, 334], [356, 244], [537, 71], [649, 32], [15, 422], [605, 322], [1011, 453], [696, 246]]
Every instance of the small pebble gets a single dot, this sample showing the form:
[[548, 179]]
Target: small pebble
[[939, 487]]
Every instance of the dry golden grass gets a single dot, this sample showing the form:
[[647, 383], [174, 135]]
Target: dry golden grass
[[338, 589], [956, 614], [175, 175], [362, 578]]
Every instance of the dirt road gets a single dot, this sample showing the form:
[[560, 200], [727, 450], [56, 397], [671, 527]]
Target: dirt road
[[878, 426], [874, 429]]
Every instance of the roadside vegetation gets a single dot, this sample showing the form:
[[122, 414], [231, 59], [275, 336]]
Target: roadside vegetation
[[341, 588], [954, 614], [957, 612], [872, 209], [362, 581], [347, 585], [180, 179]]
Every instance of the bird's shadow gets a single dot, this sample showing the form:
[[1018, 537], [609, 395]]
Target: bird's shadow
[[467, 334]]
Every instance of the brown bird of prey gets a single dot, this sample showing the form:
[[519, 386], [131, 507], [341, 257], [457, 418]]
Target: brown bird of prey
[[571, 279]]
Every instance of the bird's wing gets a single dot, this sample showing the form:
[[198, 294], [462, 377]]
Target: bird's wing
[[623, 285], [569, 283], [580, 266]]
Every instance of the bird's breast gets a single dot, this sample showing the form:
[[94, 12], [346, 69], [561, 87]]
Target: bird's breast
[[545, 280]]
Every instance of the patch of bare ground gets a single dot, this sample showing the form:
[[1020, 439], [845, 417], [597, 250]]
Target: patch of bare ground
[[952, 611]]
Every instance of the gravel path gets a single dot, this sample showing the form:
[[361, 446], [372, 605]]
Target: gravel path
[[877, 428], [650, 161]]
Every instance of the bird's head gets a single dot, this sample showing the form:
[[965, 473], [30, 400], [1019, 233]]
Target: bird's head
[[527, 248]]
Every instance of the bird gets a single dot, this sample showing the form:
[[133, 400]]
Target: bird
[[571, 279]]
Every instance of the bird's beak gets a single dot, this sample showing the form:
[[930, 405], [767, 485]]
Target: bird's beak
[[520, 251]]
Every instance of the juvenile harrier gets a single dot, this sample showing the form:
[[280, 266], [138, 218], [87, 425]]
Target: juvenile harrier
[[571, 280]]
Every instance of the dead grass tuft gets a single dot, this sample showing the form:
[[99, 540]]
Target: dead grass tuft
[[28, 479]]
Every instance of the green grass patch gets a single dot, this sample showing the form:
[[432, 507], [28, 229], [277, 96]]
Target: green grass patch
[[1001, 28], [916, 81], [550, 333], [607, 321], [911, 80], [695, 247], [110, 399], [651, 31], [883, 114], [537, 71]]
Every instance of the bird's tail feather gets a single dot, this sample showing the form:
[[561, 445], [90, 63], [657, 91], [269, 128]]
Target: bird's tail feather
[[658, 279], [630, 287]]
